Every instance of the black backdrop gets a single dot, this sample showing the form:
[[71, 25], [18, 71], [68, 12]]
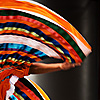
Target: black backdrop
[[80, 83]]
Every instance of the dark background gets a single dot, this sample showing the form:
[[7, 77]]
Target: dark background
[[80, 83]]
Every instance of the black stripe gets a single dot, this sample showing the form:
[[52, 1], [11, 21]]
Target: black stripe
[[30, 86]]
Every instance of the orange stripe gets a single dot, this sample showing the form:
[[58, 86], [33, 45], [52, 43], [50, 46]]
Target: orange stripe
[[29, 55], [40, 90], [7, 61], [72, 52], [18, 62], [38, 9], [20, 53], [26, 90]]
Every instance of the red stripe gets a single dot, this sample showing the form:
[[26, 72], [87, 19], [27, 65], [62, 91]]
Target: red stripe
[[27, 91], [16, 97], [53, 34]]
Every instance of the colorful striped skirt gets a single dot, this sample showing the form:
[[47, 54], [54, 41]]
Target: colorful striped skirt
[[25, 89]]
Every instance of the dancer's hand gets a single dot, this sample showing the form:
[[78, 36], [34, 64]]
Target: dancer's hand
[[66, 65]]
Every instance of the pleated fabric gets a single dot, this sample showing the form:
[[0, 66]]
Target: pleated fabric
[[25, 89], [31, 32]]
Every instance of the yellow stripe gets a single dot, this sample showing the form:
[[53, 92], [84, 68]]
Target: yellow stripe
[[15, 60], [69, 59], [33, 33], [40, 90], [33, 8], [36, 35], [19, 96]]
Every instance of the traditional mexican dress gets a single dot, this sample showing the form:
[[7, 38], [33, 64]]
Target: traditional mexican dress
[[30, 32]]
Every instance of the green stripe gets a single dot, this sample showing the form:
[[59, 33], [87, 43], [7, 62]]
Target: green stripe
[[30, 86], [59, 30]]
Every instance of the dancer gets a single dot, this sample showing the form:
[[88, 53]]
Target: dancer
[[29, 33]]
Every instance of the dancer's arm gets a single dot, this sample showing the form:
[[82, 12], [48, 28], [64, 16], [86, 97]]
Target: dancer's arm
[[39, 68]]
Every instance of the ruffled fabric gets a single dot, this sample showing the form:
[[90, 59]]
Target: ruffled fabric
[[51, 31], [30, 32], [45, 13], [25, 89], [9, 71]]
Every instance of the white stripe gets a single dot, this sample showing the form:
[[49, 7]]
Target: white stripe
[[30, 42], [44, 17], [84, 49], [34, 86], [81, 45], [36, 14], [12, 81], [34, 2]]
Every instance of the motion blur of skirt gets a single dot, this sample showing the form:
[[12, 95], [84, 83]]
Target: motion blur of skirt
[[29, 33], [25, 89]]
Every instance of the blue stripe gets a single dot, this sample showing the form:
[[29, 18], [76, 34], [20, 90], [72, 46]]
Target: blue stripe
[[15, 46], [40, 33], [18, 91], [23, 48], [16, 56], [12, 97], [6, 78], [20, 47], [37, 52]]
